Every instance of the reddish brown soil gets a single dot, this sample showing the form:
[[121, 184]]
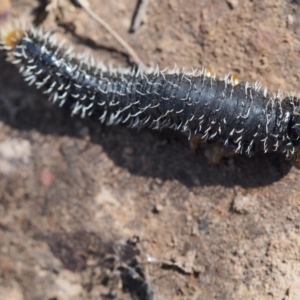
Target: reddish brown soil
[[95, 212]]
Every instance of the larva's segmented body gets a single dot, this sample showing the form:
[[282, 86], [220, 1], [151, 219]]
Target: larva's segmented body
[[240, 116]]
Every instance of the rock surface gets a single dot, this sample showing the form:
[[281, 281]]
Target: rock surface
[[95, 212]]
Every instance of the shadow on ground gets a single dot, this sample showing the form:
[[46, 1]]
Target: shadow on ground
[[163, 155]]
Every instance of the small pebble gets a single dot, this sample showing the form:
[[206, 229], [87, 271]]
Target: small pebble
[[233, 3]]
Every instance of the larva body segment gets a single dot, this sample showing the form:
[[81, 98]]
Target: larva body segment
[[243, 118]]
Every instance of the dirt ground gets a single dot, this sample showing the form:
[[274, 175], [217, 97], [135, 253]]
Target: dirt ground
[[95, 212]]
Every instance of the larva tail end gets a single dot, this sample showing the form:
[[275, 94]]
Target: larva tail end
[[9, 37]]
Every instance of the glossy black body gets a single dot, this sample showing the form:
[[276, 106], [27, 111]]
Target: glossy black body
[[241, 117]]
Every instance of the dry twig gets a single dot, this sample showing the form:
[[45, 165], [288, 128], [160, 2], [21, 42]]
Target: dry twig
[[139, 14]]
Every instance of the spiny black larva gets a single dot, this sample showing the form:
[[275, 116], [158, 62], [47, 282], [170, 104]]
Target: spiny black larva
[[240, 116]]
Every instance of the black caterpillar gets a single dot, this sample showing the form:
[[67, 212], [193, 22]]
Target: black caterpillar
[[242, 117]]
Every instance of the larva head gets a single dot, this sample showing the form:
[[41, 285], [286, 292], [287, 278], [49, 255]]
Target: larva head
[[295, 127], [10, 37]]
